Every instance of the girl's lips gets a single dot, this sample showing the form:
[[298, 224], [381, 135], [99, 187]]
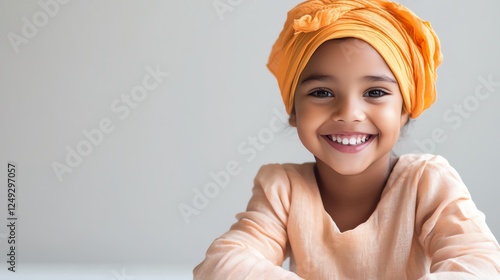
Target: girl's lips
[[351, 143], [349, 139]]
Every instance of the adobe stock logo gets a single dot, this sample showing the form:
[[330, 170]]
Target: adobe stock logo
[[224, 6], [30, 28], [121, 107], [455, 116], [220, 179]]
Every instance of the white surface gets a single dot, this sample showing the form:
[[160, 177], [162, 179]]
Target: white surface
[[94, 272]]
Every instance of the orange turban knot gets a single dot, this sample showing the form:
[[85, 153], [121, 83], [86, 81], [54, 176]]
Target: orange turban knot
[[408, 44]]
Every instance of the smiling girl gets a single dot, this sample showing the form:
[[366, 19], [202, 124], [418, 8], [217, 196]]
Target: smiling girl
[[351, 74]]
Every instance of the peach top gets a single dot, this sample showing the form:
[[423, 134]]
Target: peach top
[[425, 227]]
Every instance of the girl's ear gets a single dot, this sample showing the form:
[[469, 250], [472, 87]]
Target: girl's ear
[[292, 120], [405, 117]]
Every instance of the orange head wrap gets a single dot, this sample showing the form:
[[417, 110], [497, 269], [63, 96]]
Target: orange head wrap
[[408, 45]]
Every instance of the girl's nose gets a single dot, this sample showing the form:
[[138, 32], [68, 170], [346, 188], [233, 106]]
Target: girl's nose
[[348, 109]]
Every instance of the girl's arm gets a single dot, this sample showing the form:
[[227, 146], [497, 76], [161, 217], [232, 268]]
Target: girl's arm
[[255, 246], [453, 231]]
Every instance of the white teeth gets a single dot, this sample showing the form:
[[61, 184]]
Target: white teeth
[[351, 140]]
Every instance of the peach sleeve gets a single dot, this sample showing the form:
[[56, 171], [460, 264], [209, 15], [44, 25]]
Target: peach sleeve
[[255, 246], [452, 230]]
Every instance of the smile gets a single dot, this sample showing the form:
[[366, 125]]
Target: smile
[[349, 143], [350, 140]]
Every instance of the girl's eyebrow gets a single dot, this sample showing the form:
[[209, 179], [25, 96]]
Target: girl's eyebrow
[[318, 77], [381, 78], [329, 78]]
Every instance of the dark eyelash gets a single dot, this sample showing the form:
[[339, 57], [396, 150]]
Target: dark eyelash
[[381, 93], [326, 93]]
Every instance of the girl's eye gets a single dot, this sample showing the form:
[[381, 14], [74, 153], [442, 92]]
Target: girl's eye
[[375, 93], [321, 93]]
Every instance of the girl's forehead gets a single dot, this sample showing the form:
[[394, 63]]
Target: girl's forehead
[[347, 47], [346, 53]]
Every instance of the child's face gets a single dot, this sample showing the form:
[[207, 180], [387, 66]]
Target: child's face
[[347, 93]]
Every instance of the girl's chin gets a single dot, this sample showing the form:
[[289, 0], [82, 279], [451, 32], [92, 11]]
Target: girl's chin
[[349, 171], [346, 169]]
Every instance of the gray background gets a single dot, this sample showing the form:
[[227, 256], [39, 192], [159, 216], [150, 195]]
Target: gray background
[[116, 215]]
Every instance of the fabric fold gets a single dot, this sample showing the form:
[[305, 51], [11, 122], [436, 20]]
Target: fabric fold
[[407, 43]]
